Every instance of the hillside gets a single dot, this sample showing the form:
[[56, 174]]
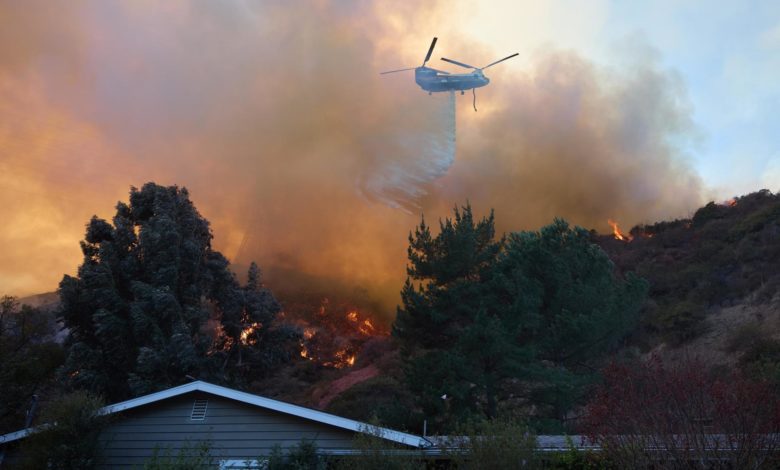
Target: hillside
[[713, 279], [713, 283]]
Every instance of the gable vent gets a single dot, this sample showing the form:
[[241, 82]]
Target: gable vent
[[199, 410]]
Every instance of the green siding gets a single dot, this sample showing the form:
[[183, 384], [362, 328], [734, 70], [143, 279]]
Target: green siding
[[233, 429]]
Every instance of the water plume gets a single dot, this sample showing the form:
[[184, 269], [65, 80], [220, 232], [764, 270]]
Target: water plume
[[408, 162]]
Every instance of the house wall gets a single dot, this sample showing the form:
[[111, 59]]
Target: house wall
[[234, 430]]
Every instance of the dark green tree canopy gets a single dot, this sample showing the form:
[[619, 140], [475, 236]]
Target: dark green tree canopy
[[483, 320], [451, 270], [153, 302]]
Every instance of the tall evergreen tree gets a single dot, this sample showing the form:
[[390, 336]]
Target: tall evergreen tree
[[138, 311], [562, 296], [484, 319], [457, 348]]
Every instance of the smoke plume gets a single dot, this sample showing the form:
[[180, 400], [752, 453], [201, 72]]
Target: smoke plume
[[303, 157]]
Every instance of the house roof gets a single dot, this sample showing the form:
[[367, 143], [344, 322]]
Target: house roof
[[255, 400]]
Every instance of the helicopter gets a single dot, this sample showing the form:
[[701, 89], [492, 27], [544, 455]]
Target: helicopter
[[434, 81]]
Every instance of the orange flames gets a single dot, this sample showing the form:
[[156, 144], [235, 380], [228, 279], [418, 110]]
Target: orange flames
[[366, 327], [344, 358], [617, 233], [332, 333], [247, 337]]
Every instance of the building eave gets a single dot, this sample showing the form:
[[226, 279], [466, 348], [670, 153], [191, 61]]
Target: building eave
[[254, 400]]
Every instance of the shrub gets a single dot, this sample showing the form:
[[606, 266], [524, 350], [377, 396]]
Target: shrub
[[501, 443], [70, 439], [649, 415], [303, 456], [682, 322], [376, 453], [192, 456]]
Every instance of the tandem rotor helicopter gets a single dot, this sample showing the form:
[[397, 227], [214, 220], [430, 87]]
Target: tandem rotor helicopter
[[434, 81]]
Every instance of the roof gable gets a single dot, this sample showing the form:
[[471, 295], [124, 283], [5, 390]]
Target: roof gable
[[254, 400]]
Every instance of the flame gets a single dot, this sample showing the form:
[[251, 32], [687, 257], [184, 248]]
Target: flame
[[308, 333], [222, 342], [729, 202], [366, 327], [352, 316], [246, 334], [616, 231], [344, 358]]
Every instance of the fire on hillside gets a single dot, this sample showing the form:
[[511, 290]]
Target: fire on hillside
[[617, 233], [333, 332], [639, 231]]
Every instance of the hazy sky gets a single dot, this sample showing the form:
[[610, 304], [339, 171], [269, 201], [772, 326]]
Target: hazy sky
[[308, 161]]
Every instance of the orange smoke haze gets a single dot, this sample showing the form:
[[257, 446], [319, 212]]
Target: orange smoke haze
[[301, 156]]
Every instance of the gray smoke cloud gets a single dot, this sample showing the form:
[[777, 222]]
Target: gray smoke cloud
[[303, 157]]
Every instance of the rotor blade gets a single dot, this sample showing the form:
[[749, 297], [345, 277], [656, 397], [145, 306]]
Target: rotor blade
[[399, 70], [505, 58], [458, 63], [430, 51]]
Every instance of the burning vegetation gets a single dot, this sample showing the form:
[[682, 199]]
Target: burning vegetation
[[617, 233], [332, 332]]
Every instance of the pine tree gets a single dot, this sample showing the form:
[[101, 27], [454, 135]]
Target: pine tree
[[138, 311], [456, 347]]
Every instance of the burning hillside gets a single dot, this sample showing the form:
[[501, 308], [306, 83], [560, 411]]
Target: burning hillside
[[333, 331]]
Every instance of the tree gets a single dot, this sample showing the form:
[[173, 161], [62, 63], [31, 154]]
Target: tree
[[650, 415], [457, 350], [29, 356], [252, 344], [488, 319], [559, 293], [138, 311]]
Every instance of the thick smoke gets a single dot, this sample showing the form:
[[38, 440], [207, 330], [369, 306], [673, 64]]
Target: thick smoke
[[573, 140], [300, 154]]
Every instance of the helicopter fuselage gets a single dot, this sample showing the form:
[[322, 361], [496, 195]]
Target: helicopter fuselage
[[433, 81]]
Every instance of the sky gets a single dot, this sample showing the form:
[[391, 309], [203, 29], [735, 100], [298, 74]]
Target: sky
[[273, 114]]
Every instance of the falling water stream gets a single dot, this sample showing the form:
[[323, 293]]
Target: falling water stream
[[413, 160]]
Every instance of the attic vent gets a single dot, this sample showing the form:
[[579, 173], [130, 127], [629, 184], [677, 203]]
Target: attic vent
[[199, 410]]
